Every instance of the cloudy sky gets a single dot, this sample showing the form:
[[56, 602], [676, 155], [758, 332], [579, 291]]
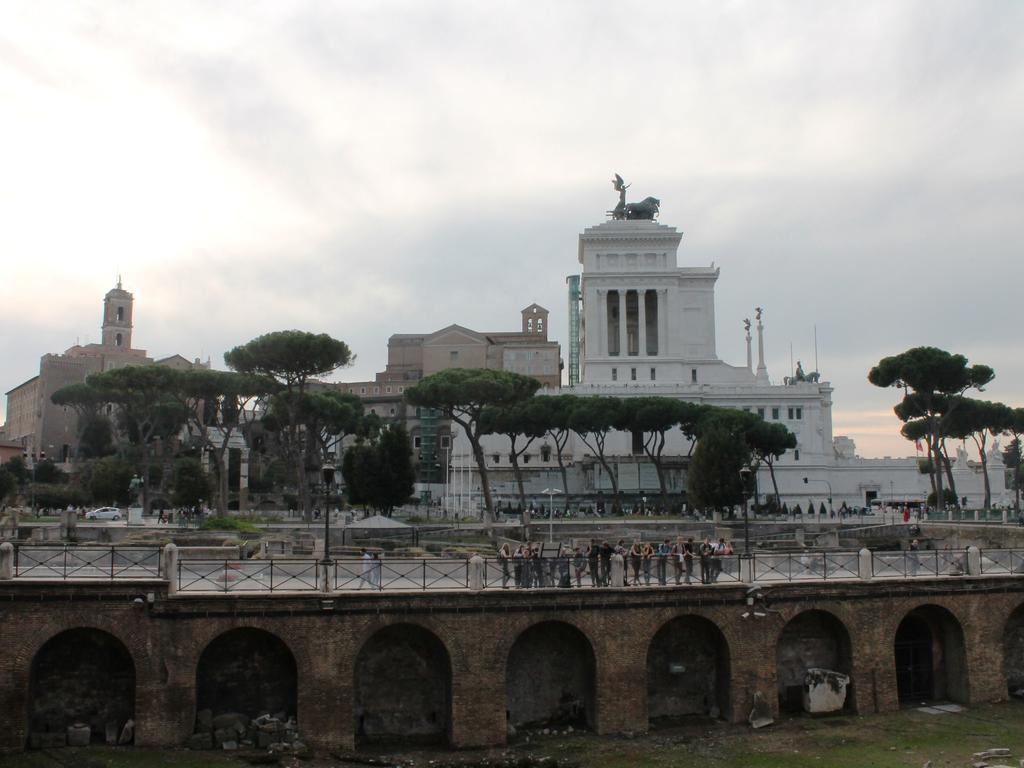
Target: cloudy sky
[[365, 168]]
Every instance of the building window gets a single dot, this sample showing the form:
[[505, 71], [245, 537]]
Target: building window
[[615, 374], [362, 390], [693, 375], [416, 442], [529, 325], [446, 441], [392, 412], [540, 325], [789, 413], [401, 390], [760, 413], [632, 374], [775, 413], [654, 374], [387, 390], [796, 454], [453, 356], [799, 413], [638, 442], [117, 340], [496, 458], [545, 453], [120, 314], [526, 458]]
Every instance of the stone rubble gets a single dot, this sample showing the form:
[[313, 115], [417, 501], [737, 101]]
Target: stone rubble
[[277, 734]]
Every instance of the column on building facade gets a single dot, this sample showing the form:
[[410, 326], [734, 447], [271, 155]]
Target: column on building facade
[[602, 323], [641, 321], [623, 336], [663, 321]]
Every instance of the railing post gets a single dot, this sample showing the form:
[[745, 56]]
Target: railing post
[[476, 573], [169, 563], [6, 560], [747, 568], [973, 561], [864, 566]]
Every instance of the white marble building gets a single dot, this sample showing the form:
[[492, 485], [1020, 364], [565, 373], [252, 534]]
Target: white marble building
[[647, 327]]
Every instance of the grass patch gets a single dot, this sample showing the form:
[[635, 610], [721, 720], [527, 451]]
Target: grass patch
[[229, 524]]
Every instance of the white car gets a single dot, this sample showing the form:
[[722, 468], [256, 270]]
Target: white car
[[104, 513]]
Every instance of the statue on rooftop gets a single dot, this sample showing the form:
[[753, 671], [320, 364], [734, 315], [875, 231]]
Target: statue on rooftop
[[647, 209]]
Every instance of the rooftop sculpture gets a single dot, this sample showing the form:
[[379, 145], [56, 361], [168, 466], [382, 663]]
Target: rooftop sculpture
[[646, 209]]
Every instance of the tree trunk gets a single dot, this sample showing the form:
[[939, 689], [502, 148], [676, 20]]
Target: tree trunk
[[775, 485], [518, 475], [948, 465], [222, 483], [984, 468], [933, 439], [485, 485]]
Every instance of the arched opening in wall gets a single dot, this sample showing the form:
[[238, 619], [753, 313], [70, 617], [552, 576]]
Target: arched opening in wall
[[1013, 652], [931, 663], [80, 676], [687, 671], [549, 677], [247, 672], [402, 687], [811, 645]]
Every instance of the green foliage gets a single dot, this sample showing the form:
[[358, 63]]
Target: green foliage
[[714, 480], [290, 357], [58, 496], [8, 483], [48, 472], [380, 474], [947, 494], [768, 440], [108, 481], [191, 484], [95, 436], [17, 467], [229, 524]]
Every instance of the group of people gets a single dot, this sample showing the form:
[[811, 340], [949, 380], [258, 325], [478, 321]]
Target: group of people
[[529, 565]]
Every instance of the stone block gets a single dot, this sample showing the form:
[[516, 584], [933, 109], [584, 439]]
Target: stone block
[[204, 721], [229, 745], [221, 735], [79, 735], [824, 691], [230, 720], [110, 732], [200, 741]]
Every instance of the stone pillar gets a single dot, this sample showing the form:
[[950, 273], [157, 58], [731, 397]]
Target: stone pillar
[[476, 573], [623, 336], [864, 569], [618, 570], [973, 561], [169, 556], [746, 569], [641, 322], [750, 361], [602, 323], [6, 561], [662, 295], [762, 371], [243, 481]]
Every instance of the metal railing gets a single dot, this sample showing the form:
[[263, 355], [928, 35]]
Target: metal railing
[[806, 566], [1002, 561], [69, 561], [400, 574], [276, 575], [911, 564]]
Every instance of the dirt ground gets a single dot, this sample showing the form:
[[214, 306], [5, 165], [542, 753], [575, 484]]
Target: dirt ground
[[904, 739]]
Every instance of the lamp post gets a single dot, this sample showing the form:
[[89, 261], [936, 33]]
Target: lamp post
[[328, 473], [827, 483], [745, 473], [551, 511]]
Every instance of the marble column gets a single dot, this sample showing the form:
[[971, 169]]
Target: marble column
[[663, 342], [641, 322], [623, 337], [762, 371], [601, 349]]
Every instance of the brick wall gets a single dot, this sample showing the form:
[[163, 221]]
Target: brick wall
[[167, 637]]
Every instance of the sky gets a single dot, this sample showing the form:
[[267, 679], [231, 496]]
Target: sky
[[363, 169]]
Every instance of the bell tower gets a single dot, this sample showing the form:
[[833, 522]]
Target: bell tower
[[117, 317]]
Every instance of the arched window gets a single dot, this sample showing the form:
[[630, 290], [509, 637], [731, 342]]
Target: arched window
[[117, 340], [120, 314]]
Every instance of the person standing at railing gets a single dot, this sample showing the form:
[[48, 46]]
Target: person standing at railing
[[647, 557], [664, 551], [593, 554], [620, 549], [635, 557], [677, 562], [579, 564], [706, 548], [518, 559], [687, 558], [717, 553], [504, 554], [606, 563], [912, 557]]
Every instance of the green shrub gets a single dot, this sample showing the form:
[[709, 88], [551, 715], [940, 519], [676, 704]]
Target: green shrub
[[229, 524]]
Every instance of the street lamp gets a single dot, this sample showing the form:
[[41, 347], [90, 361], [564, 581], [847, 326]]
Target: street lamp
[[328, 473], [827, 483], [745, 473], [551, 511]]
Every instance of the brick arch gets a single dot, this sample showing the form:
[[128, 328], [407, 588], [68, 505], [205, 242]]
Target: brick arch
[[928, 639], [224, 685], [825, 641], [1012, 641], [77, 683], [422, 665], [551, 693], [688, 668], [448, 636]]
